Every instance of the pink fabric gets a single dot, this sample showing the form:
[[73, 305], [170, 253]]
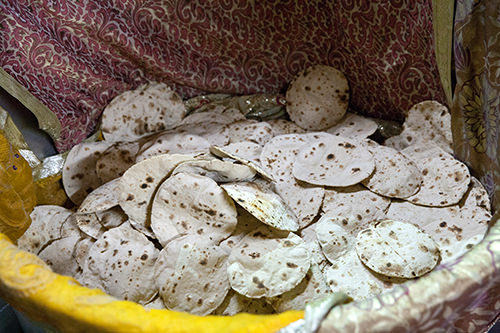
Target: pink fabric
[[75, 56]]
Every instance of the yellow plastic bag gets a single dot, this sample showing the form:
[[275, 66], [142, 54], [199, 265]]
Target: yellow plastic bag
[[17, 191]]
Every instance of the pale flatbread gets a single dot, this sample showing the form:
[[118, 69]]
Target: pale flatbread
[[277, 159], [69, 227], [82, 248], [247, 153], [395, 175], [156, 304], [427, 121], [121, 263], [102, 198], [317, 98], [89, 224], [59, 256], [397, 249], [312, 287], [308, 234], [192, 204], [475, 205], [150, 108], [46, 226], [249, 130], [246, 224], [264, 204], [355, 201], [333, 161], [173, 143], [228, 116], [337, 235], [239, 151], [456, 229], [268, 263], [283, 126], [138, 185], [191, 275], [115, 160], [213, 132], [112, 218], [353, 126], [235, 303], [350, 276], [445, 179], [79, 172], [219, 171]]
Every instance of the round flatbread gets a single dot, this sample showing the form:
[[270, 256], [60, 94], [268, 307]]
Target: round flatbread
[[46, 225], [426, 122], [82, 248], [311, 288], [191, 275], [219, 171], [59, 256], [456, 229], [121, 262], [247, 153], [112, 218], [173, 143], [268, 263], [79, 172], [264, 204], [246, 224], [138, 185], [333, 161], [357, 202], [192, 204], [155, 304], [243, 151], [235, 303], [445, 179], [317, 98], [69, 227], [115, 160], [212, 131], [220, 115], [397, 249], [89, 224], [337, 235], [277, 159], [395, 175], [353, 126], [150, 108], [249, 130], [102, 198], [350, 276], [283, 126], [308, 234]]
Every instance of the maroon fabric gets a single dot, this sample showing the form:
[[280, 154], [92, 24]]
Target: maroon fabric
[[75, 56]]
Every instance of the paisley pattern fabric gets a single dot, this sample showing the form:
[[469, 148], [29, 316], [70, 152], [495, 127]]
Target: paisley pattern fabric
[[75, 56]]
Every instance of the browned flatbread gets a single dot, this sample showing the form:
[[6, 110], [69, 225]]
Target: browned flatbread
[[317, 98]]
